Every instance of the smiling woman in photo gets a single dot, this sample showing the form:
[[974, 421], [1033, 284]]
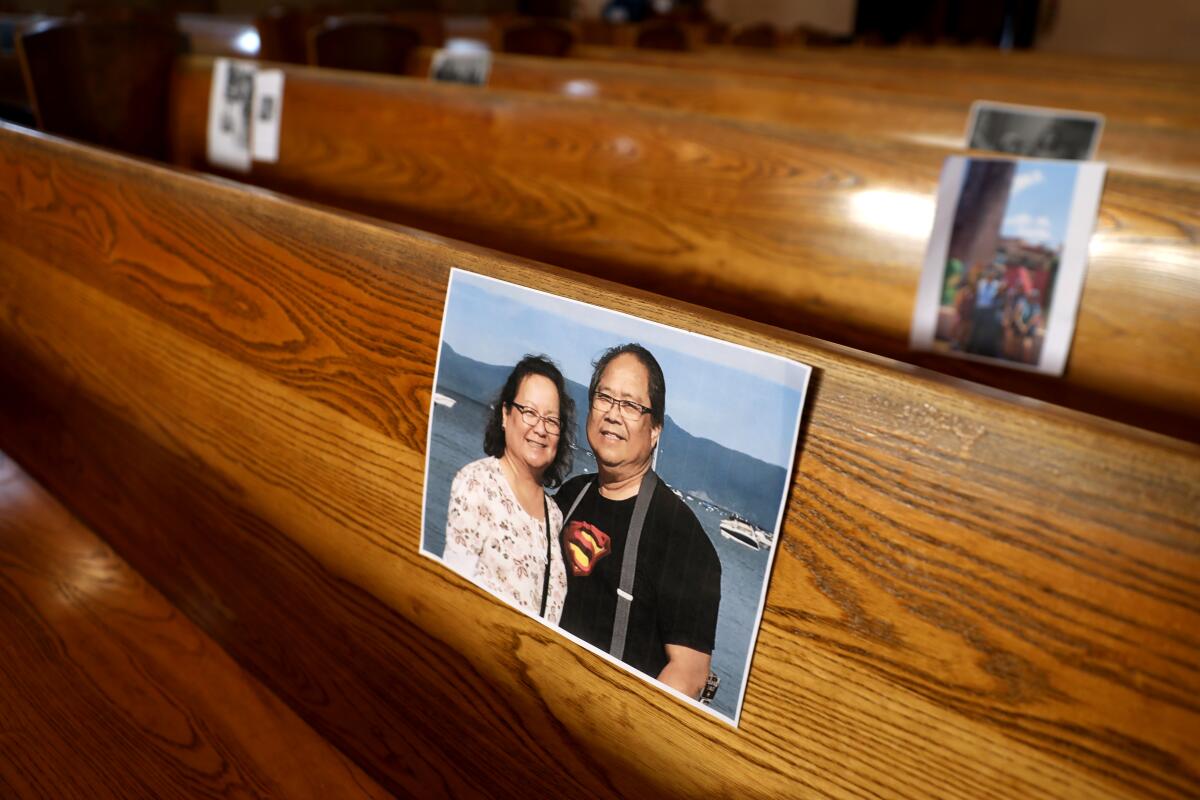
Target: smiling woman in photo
[[501, 531]]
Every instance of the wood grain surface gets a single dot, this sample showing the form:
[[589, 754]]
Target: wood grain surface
[[1035, 65], [1151, 149], [820, 233], [1131, 98], [976, 596], [106, 690]]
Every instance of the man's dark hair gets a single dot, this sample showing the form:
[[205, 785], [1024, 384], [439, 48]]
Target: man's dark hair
[[493, 434], [658, 384]]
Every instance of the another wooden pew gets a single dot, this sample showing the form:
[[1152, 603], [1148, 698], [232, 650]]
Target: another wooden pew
[[108, 691], [975, 596], [1033, 64], [1165, 143], [1150, 149], [1149, 101], [811, 231]]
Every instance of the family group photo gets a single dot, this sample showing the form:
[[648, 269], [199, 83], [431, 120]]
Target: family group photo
[[1005, 269], [620, 480]]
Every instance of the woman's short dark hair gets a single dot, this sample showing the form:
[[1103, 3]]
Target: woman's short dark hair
[[657, 384], [493, 434]]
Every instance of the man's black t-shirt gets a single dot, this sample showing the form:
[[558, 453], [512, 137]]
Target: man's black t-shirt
[[677, 584]]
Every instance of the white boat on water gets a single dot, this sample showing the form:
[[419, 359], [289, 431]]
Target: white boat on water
[[740, 531], [443, 400]]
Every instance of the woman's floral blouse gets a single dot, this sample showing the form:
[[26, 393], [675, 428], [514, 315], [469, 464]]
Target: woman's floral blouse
[[492, 541]]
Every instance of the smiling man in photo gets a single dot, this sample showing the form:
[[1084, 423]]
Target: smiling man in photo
[[643, 579]]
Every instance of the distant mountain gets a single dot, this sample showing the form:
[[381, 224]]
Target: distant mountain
[[479, 381], [727, 478], [693, 465]]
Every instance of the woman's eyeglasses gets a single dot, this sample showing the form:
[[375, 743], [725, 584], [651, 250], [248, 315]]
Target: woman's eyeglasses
[[531, 417]]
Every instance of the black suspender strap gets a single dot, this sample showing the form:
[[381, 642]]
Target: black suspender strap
[[628, 561], [629, 564], [546, 572]]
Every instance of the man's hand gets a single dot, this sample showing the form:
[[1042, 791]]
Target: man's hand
[[686, 670]]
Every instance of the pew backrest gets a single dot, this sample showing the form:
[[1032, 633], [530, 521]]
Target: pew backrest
[[663, 35], [1151, 149], [1174, 102], [546, 38], [103, 81], [759, 35], [368, 43]]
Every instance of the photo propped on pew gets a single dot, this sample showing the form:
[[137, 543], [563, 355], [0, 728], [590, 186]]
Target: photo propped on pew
[[617, 479], [462, 61], [1006, 260], [245, 107]]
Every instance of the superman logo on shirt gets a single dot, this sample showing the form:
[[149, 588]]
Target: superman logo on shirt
[[586, 546]]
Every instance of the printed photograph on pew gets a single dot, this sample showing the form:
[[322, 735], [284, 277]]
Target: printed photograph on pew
[[245, 109], [1006, 260], [462, 61], [619, 480], [229, 114], [1033, 131]]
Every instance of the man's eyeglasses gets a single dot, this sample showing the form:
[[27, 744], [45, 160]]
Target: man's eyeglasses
[[531, 417], [629, 410]]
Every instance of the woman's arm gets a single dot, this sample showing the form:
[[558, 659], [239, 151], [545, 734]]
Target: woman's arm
[[463, 539]]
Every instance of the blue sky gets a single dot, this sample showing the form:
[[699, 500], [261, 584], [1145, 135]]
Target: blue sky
[[1039, 203], [740, 398]]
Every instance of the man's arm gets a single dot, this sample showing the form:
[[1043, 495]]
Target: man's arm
[[686, 670]]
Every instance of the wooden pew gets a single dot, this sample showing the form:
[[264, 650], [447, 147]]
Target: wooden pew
[[1128, 146], [1133, 99], [1165, 143], [975, 595], [1034, 64], [815, 232], [966, 62], [663, 35], [363, 42], [110, 692], [532, 36]]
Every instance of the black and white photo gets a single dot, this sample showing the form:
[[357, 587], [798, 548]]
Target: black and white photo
[[462, 61], [1034, 132]]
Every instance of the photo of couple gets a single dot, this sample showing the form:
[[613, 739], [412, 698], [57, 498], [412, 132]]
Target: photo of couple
[[572, 481]]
